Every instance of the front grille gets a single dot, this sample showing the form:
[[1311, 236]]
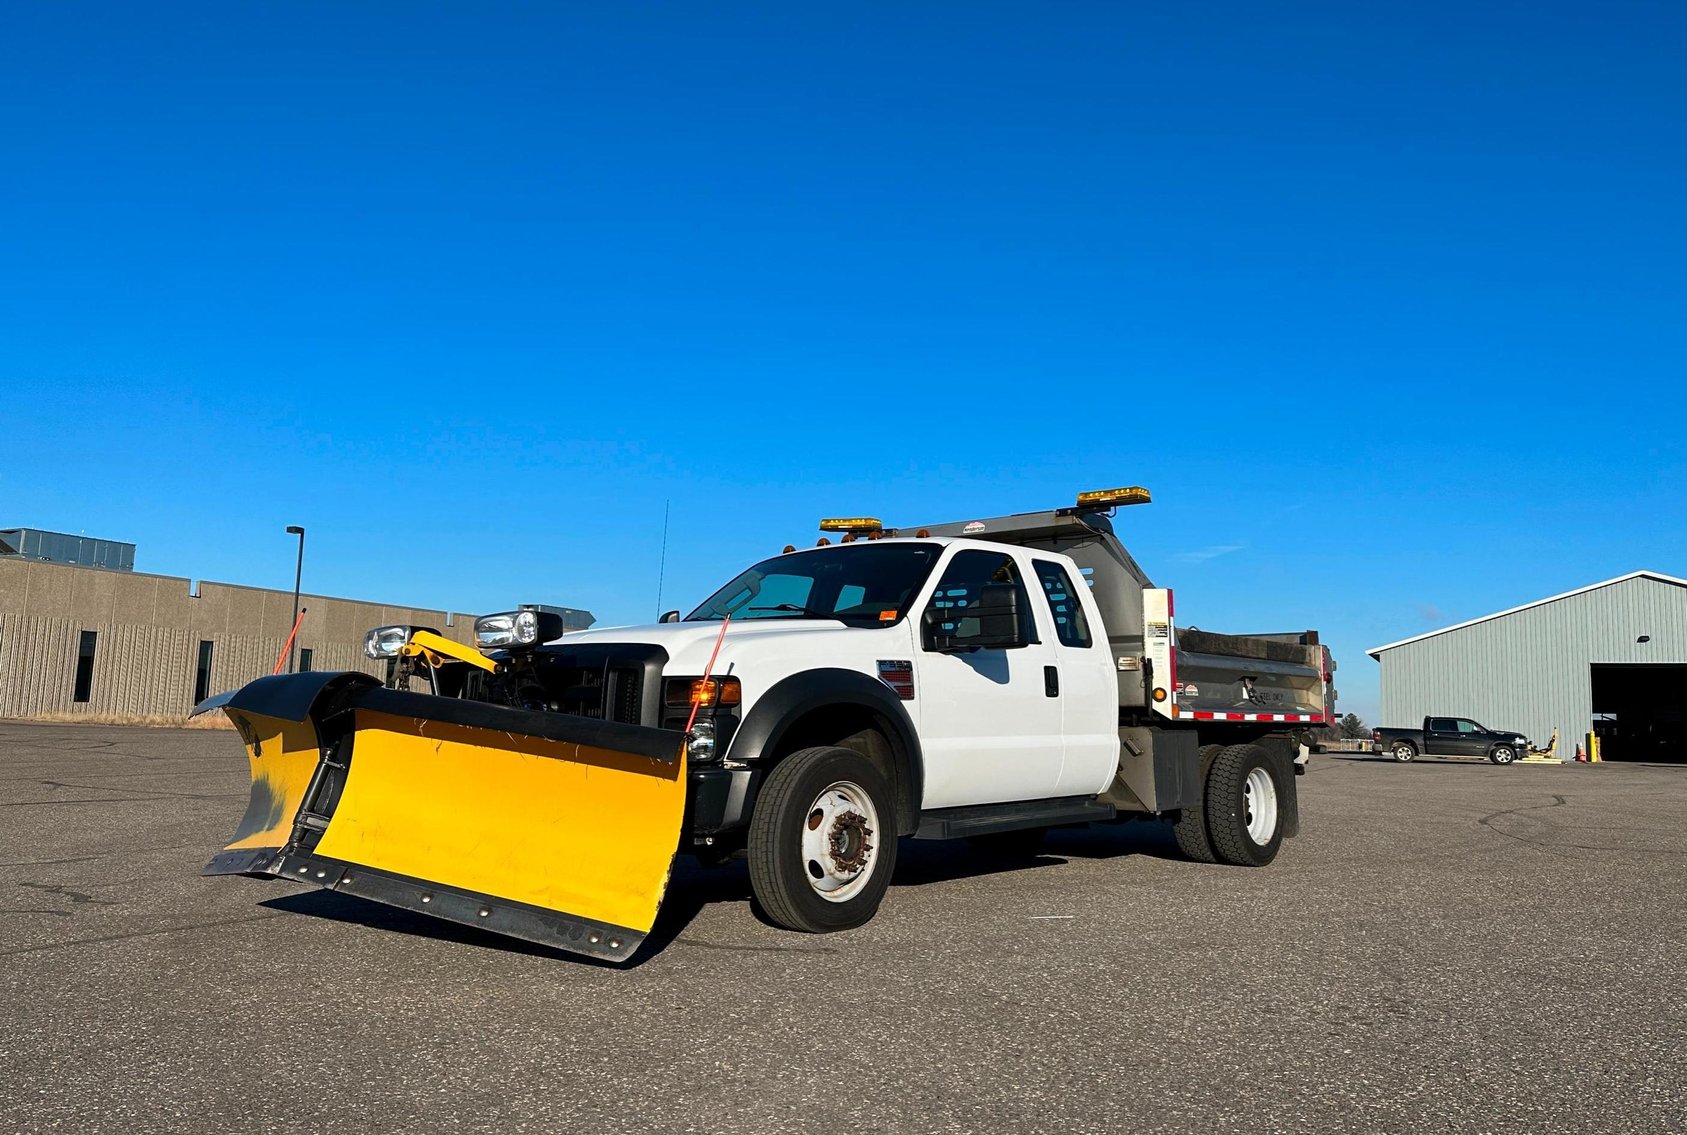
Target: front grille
[[607, 693]]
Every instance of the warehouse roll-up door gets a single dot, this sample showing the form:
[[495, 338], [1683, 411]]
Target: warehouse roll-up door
[[1640, 711]]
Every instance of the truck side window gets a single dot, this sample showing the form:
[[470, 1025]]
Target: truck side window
[[1070, 625], [1467, 726], [1442, 725], [963, 581]]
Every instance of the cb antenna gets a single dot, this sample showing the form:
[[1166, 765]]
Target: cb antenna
[[662, 568]]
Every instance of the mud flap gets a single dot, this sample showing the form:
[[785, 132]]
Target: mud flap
[[551, 828]]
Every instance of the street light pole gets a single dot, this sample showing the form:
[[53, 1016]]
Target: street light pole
[[298, 574]]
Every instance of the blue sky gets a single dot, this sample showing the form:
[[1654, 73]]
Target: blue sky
[[1384, 304]]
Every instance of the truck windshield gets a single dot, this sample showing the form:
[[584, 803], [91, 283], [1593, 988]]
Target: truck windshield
[[861, 584]]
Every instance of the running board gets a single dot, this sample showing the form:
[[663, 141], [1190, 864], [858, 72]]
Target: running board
[[988, 819]]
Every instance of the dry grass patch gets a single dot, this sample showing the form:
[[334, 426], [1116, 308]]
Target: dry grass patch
[[145, 720]]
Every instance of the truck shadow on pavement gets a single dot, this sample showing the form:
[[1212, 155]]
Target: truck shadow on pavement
[[694, 887]]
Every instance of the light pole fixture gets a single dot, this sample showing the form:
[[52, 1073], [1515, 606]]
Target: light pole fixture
[[298, 574]]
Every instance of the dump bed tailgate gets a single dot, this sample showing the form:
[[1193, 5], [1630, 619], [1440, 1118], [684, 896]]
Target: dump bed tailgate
[[1251, 678]]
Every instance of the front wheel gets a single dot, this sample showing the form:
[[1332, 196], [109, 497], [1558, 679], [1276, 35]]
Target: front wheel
[[1502, 754], [1403, 751], [822, 841]]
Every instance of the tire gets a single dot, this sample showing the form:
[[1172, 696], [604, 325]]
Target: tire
[[1245, 806], [1191, 826], [1021, 844], [1403, 751], [822, 841], [1502, 754]]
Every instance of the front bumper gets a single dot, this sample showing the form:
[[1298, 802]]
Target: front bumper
[[718, 800]]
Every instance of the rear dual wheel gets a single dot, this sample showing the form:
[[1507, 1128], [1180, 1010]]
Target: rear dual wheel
[[1240, 817], [822, 841]]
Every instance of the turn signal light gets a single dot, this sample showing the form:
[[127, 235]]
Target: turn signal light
[[1107, 498], [705, 692]]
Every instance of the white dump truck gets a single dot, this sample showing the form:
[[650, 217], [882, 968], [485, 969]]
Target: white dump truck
[[990, 678]]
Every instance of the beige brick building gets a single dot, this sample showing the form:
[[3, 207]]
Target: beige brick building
[[92, 640]]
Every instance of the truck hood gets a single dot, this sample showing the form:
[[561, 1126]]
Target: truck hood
[[690, 644]]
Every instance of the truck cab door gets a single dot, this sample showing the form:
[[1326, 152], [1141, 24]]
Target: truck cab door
[[1088, 689], [990, 729], [1472, 739], [1440, 736]]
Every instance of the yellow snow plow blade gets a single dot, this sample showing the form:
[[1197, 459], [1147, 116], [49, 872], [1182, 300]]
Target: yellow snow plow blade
[[556, 829], [547, 824]]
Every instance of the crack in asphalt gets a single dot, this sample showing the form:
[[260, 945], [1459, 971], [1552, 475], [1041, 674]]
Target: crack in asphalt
[[102, 855], [147, 791], [1558, 801], [754, 949], [96, 800], [1557, 847], [137, 934], [75, 897]]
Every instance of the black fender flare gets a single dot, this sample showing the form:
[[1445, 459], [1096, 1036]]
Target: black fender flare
[[790, 699]]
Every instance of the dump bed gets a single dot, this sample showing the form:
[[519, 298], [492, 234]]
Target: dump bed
[[1210, 676]]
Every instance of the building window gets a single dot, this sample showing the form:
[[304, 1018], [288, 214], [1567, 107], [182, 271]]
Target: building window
[[304, 659], [85, 667], [202, 676]]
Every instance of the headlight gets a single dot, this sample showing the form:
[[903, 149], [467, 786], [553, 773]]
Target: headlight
[[516, 629], [385, 642], [700, 745], [1520, 740], [711, 706]]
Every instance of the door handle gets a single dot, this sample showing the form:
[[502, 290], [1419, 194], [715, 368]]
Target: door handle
[[1051, 681]]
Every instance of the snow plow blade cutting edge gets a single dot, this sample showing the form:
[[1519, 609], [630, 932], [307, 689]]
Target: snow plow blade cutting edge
[[543, 826]]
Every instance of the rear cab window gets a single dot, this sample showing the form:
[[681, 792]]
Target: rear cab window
[[1071, 625]]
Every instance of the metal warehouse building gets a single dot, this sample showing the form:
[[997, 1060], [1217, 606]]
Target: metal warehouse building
[[1608, 659]]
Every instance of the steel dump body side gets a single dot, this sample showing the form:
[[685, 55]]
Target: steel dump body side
[[1277, 679]]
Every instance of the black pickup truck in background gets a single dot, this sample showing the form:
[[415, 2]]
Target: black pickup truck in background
[[1451, 737]]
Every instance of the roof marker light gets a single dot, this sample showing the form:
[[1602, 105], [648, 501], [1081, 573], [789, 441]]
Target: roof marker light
[[1107, 498]]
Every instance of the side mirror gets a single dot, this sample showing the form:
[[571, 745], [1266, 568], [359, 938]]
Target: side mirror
[[669, 617], [992, 623]]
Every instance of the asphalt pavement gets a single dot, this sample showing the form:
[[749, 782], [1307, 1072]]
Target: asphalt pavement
[[1449, 946]]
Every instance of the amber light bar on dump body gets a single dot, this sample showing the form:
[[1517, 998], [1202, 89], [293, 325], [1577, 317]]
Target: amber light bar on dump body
[[851, 524], [1107, 498]]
